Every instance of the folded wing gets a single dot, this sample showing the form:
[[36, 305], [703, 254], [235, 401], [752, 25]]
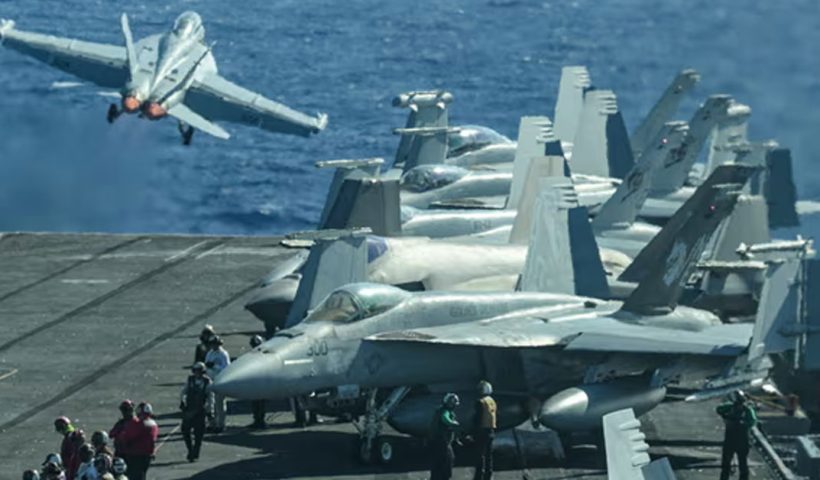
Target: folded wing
[[216, 99]]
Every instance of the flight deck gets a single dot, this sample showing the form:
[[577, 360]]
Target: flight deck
[[91, 319]]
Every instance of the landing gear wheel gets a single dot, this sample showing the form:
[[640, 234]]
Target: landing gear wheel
[[112, 114], [383, 451], [364, 453], [187, 135]]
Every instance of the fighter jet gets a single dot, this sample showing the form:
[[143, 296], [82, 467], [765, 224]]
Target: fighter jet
[[172, 74], [558, 348]]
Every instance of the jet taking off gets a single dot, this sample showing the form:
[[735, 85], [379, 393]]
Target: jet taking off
[[170, 74]]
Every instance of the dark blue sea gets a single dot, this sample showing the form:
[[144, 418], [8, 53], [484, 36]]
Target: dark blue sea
[[63, 168]]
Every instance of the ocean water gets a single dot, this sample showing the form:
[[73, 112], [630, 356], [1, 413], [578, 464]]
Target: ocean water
[[63, 168]]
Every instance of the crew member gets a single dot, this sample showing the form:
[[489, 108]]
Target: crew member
[[203, 347], [196, 403], [69, 449], [257, 406], [444, 428], [484, 427], [216, 361], [53, 468], [118, 468], [99, 440], [31, 475], [102, 463], [145, 443], [739, 417], [125, 432], [86, 469]]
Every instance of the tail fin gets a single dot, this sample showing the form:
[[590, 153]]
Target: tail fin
[[563, 255], [627, 456], [332, 262], [536, 138], [621, 209], [130, 52], [666, 106], [424, 138], [729, 134], [662, 266], [359, 199], [675, 169], [779, 189], [540, 167], [601, 145], [574, 82]]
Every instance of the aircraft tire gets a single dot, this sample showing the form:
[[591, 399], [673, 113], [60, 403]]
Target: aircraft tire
[[383, 450]]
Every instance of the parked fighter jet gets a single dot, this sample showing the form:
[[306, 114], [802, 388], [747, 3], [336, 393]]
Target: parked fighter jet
[[171, 74], [462, 264], [555, 347]]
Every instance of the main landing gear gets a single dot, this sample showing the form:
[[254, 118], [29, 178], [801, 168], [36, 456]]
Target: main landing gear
[[371, 446], [186, 131], [113, 113]]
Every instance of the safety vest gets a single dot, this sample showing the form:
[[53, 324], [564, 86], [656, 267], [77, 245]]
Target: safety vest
[[487, 413]]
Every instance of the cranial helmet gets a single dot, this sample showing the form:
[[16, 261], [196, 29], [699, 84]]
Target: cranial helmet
[[485, 388], [451, 400]]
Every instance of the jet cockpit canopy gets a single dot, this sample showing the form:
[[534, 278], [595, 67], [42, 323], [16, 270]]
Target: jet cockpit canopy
[[357, 301], [473, 137], [428, 177], [189, 24]]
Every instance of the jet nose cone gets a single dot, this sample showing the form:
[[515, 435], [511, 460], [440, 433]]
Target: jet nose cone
[[250, 377]]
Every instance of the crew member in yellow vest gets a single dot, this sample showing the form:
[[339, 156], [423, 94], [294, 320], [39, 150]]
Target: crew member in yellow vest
[[485, 425]]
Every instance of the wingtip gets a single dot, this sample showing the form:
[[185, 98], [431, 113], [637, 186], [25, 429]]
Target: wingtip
[[321, 122], [6, 24]]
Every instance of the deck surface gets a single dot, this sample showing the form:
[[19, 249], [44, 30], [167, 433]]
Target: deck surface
[[88, 320]]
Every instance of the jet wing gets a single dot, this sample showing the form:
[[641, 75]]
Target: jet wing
[[584, 333], [102, 64], [215, 98]]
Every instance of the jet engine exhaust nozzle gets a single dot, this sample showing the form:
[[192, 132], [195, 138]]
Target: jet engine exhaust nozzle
[[130, 104], [154, 110]]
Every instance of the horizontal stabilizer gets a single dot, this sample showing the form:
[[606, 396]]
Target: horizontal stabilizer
[[190, 117]]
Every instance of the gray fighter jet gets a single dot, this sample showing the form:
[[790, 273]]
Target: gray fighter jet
[[164, 75], [557, 348]]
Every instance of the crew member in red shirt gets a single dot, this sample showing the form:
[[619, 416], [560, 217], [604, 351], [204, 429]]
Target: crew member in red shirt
[[125, 433], [145, 444], [73, 439]]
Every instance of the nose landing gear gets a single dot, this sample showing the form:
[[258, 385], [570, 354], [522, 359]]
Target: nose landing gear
[[371, 446]]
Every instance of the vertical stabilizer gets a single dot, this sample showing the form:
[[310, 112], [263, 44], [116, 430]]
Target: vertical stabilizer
[[601, 145], [627, 453], [332, 262], [562, 256], [536, 138], [667, 261], [574, 82], [779, 189], [424, 138], [540, 167], [358, 198], [674, 171], [621, 209], [728, 135], [663, 110]]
